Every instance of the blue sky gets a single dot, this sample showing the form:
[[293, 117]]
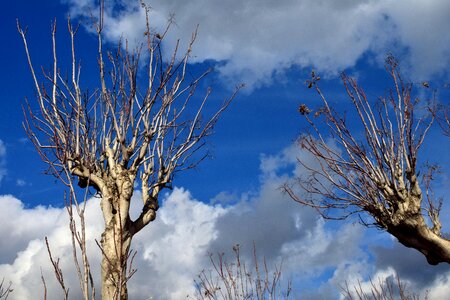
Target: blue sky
[[233, 197]]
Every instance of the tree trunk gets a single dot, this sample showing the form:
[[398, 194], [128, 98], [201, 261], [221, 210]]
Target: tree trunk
[[116, 238], [414, 233], [417, 235], [115, 244]]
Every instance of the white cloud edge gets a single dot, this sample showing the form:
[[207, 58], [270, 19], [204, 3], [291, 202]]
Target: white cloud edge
[[254, 40], [183, 233]]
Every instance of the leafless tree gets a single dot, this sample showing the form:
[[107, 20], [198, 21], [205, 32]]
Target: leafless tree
[[374, 172], [385, 289], [141, 126], [235, 280]]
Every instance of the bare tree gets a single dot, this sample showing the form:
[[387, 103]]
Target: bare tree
[[235, 280], [120, 135], [383, 290], [374, 172]]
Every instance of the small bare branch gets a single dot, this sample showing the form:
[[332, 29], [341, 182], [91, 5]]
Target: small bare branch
[[385, 289], [58, 272], [234, 281], [5, 291]]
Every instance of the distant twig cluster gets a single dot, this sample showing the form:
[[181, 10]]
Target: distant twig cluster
[[236, 281], [383, 290]]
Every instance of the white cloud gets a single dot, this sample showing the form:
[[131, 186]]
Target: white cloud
[[256, 39], [25, 253], [440, 288], [358, 280], [173, 249], [170, 251], [420, 27]]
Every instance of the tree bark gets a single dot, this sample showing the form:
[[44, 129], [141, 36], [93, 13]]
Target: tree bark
[[115, 243], [414, 233], [117, 236]]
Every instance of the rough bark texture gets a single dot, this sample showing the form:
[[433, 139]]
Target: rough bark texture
[[115, 244], [116, 238], [414, 233], [408, 225], [376, 174]]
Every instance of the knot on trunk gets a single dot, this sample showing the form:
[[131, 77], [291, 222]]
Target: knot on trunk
[[151, 204]]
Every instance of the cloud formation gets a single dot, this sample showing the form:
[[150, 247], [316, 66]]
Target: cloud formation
[[255, 40], [171, 251]]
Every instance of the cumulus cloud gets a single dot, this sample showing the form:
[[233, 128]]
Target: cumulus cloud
[[170, 252], [256, 40], [406, 262], [173, 249], [24, 253]]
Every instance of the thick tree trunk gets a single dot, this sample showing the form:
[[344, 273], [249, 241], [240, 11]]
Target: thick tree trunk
[[115, 244], [116, 238], [414, 233]]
